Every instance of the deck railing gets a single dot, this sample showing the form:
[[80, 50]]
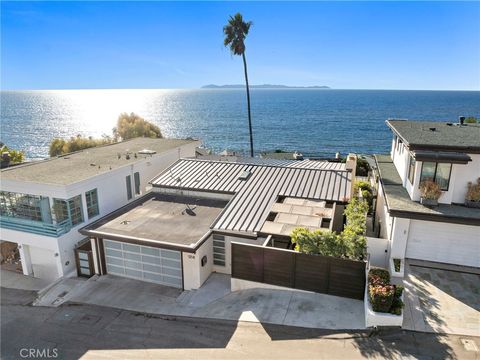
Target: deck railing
[[36, 227]]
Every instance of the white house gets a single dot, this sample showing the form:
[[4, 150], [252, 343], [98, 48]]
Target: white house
[[44, 203], [184, 229], [449, 154]]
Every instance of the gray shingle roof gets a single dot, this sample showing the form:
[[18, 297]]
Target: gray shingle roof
[[87, 163], [399, 203], [419, 135], [249, 207]]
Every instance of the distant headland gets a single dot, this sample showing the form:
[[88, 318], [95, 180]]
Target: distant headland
[[263, 86]]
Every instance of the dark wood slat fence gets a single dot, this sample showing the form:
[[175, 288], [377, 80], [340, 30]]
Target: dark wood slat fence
[[323, 274]]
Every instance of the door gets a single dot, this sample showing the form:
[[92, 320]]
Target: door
[[85, 265], [160, 266], [444, 243]]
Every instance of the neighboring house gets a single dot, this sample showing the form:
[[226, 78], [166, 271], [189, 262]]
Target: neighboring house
[[448, 154], [44, 203], [183, 231]]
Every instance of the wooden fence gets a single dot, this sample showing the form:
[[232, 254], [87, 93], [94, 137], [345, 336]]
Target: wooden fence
[[323, 274]]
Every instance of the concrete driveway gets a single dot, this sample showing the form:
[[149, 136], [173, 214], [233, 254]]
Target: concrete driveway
[[214, 300], [442, 301]]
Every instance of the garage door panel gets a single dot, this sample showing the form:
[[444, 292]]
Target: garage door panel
[[445, 243], [159, 266]]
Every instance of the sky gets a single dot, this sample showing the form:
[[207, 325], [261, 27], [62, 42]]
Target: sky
[[344, 45]]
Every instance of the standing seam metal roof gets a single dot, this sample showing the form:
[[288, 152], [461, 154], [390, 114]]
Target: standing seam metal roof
[[250, 206]]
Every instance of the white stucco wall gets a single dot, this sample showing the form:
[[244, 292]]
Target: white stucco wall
[[194, 274], [112, 194]]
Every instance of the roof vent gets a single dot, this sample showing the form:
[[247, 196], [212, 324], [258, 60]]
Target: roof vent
[[244, 175], [433, 129], [449, 124], [147, 152], [461, 120]]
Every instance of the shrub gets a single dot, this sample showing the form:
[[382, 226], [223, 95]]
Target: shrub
[[16, 156], [398, 291], [367, 192], [397, 264], [471, 120], [61, 146], [132, 125], [473, 191], [397, 306], [430, 190], [353, 234], [381, 297], [362, 167], [378, 276], [322, 242]]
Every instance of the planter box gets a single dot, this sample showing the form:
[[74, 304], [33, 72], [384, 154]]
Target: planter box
[[396, 276], [472, 204], [373, 318], [428, 202]]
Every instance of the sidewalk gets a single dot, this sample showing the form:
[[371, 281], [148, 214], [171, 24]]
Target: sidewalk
[[213, 300], [13, 280]]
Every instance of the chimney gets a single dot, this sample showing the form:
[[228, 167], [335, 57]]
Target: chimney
[[461, 120], [351, 165]]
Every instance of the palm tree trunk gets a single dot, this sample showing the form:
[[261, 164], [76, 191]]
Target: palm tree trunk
[[248, 104]]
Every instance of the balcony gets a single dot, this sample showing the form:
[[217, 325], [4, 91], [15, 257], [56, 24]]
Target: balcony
[[35, 227]]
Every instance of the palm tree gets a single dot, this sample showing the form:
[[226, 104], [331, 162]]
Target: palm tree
[[235, 33]]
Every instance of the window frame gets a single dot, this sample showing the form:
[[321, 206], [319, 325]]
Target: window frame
[[136, 183], [219, 261], [435, 174], [128, 182], [411, 169], [94, 205]]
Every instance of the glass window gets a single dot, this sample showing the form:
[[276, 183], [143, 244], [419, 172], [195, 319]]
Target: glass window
[[219, 250], [136, 178], [411, 170], [92, 203], [438, 172], [442, 176], [60, 209], [76, 211], [128, 180], [23, 206]]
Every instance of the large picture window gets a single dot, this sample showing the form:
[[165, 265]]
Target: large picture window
[[23, 206], [437, 172]]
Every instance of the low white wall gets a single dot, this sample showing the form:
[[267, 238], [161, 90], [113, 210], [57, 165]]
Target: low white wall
[[43, 262], [199, 194]]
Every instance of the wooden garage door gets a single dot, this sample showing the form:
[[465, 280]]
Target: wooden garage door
[[444, 243], [144, 263]]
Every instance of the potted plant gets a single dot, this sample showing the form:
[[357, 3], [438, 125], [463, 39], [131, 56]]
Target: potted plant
[[430, 192], [472, 198]]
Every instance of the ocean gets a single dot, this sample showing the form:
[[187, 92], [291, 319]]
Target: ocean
[[316, 122]]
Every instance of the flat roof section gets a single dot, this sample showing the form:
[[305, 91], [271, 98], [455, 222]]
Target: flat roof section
[[255, 194], [84, 164], [400, 205], [156, 219], [437, 135]]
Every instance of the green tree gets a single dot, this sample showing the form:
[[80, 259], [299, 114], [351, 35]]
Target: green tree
[[16, 156], [235, 33], [131, 125]]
